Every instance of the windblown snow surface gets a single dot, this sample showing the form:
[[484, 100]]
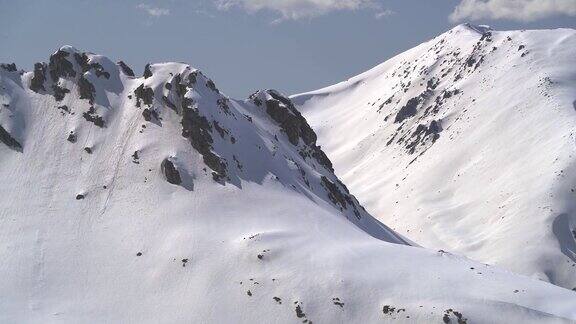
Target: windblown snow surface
[[158, 199], [465, 143]]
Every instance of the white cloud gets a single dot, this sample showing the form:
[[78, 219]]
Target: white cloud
[[384, 13], [520, 10], [153, 11], [298, 9]]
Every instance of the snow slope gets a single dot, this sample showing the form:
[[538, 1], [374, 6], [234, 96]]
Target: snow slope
[[159, 199], [465, 143]]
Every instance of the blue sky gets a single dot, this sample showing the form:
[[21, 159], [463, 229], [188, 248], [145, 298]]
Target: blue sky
[[245, 45]]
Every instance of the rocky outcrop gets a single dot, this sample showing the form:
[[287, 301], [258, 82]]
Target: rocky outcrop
[[38, 78], [144, 94], [147, 72], [86, 89], [59, 92], [10, 141], [170, 172], [9, 67], [198, 131], [94, 118], [60, 67], [125, 69], [282, 111]]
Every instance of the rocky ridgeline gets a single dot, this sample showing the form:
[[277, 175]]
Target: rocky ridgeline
[[424, 88], [211, 122]]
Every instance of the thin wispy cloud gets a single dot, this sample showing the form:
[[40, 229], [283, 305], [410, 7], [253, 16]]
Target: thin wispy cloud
[[153, 11], [301, 9], [384, 13], [518, 10]]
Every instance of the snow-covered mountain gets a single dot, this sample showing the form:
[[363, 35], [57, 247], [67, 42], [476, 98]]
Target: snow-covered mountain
[[159, 199], [465, 143]]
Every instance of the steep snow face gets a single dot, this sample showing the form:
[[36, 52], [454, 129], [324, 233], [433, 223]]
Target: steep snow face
[[159, 199], [465, 143]]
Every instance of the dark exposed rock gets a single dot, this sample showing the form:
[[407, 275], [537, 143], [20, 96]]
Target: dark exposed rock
[[338, 302], [422, 134], [169, 103], [432, 83], [322, 158], [80, 197], [299, 312], [125, 69], [282, 111], [39, 77], [135, 157], [459, 317], [10, 141], [149, 113], [59, 92], [147, 72], [192, 77], [82, 60], [170, 172], [146, 94], [197, 130], [334, 193], [86, 89], [71, 137], [180, 87], [223, 104], [387, 309], [99, 70], [221, 130], [92, 117], [88, 150], [409, 110], [291, 121], [9, 67], [210, 84], [60, 67], [64, 108]]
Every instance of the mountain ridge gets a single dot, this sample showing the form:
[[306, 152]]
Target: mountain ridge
[[468, 136], [160, 199]]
